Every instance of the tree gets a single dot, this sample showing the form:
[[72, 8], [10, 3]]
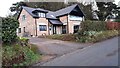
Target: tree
[[9, 27], [16, 7], [105, 9]]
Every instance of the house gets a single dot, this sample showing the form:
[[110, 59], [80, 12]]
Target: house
[[37, 21]]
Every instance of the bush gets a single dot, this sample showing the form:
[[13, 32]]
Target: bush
[[23, 41], [18, 56], [93, 26], [64, 37], [97, 36], [9, 26], [105, 35]]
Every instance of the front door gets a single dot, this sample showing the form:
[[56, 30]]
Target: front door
[[54, 29], [64, 29], [76, 28]]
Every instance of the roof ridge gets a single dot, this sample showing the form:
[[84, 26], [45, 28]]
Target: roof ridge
[[68, 7]]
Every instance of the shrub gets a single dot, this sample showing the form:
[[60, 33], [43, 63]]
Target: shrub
[[23, 41], [9, 26], [92, 36], [64, 37], [18, 56], [105, 35], [93, 26]]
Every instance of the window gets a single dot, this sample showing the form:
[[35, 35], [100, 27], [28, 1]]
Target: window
[[23, 17], [76, 18], [42, 27], [19, 30], [76, 28], [24, 29], [41, 14]]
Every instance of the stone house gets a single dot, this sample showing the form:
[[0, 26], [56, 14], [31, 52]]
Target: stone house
[[37, 21]]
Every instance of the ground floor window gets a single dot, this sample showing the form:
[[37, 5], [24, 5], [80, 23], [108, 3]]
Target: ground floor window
[[76, 28], [42, 27], [64, 29], [24, 29], [19, 30]]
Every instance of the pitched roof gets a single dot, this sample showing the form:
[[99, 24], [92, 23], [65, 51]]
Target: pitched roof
[[55, 21], [50, 14], [64, 11], [31, 10], [67, 10]]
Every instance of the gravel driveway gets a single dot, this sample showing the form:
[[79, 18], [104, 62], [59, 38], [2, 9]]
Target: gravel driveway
[[56, 47]]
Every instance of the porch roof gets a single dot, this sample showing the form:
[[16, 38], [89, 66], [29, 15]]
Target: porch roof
[[55, 22]]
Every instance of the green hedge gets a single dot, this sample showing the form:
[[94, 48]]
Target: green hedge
[[9, 26], [93, 26]]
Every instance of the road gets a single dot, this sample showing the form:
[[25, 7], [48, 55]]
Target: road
[[99, 54]]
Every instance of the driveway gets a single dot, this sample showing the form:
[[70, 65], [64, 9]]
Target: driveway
[[56, 47], [104, 53]]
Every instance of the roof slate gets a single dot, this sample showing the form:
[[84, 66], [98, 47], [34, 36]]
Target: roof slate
[[30, 10], [55, 22], [64, 11], [50, 14]]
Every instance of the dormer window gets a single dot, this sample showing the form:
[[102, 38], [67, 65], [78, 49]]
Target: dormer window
[[41, 14]]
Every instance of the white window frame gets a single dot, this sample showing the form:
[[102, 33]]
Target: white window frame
[[41, 14]]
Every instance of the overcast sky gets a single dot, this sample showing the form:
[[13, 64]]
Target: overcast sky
[[5, 5]]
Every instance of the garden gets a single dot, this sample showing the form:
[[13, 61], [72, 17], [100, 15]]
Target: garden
[[16, 51], [90, 32]]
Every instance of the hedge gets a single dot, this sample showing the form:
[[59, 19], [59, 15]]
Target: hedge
[[9, 26], [93, 26]]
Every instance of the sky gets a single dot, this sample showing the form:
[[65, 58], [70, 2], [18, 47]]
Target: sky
[[6, 4]]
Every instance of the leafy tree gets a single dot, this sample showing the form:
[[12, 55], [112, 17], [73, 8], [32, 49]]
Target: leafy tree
[[9, 26], [16, 7], [105, 9]]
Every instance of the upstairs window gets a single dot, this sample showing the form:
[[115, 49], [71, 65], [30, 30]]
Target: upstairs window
[[42, 27], [23, 17], [75, 18], [41, 14]]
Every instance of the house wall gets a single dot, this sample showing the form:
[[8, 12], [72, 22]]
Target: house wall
[[71, 23], [28, 23], [64, 19], [42, 21]]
